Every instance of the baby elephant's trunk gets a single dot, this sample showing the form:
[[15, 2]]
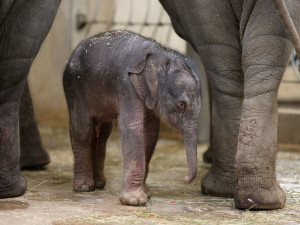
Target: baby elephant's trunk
[[190, 142]]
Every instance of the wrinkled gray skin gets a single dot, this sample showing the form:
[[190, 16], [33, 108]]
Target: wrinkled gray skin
[[188, 18], [23, 27], [245, 50], [122, 75], [32, 154]]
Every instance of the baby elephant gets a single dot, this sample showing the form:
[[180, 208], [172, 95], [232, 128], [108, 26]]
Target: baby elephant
[[122, 75]]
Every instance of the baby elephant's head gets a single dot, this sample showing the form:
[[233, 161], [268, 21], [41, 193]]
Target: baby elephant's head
[[171, 87]]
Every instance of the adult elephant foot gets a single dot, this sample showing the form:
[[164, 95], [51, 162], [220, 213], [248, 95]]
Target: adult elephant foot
[[220, 180], [218, 184], [260, 198], [33, 156], [255, 164], [12, 185]]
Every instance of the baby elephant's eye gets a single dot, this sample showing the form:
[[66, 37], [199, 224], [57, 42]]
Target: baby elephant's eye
[[181, 105]]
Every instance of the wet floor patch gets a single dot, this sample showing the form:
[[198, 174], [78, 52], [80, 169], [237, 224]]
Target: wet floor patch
[[7, 205]]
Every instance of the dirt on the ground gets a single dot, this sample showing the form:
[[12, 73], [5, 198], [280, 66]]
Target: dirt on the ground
[[50, 199]]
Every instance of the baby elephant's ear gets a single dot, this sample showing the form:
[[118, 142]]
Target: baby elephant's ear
[[143, 77]]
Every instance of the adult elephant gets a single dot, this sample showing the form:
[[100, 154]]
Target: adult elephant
[[24, 25], [245, 50]]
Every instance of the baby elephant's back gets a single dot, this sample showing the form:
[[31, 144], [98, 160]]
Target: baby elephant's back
[[98, 66], [111, 52], [103, 61]]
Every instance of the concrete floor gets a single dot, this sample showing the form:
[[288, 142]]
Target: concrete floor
[[50, 199]]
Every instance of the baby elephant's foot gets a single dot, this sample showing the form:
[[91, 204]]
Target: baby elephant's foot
[[135, 197], [83, 185], [100, 182]]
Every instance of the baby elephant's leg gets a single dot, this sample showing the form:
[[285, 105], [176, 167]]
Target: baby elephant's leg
[[103, 131], [151, 135], [133, 149], [82, 134]]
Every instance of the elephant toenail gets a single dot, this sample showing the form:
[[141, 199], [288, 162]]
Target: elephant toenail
[[122, 200], [85, 188], [143, 201], [133, 201]]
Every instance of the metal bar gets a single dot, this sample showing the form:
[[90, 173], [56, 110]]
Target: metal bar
[[111, 21], [291, 81], [96, 11], [71, 10], [159, 22], [148, 9], [128, 23], [168, 37]]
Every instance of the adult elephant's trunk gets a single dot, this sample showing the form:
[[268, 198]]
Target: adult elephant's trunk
[[190, 142]]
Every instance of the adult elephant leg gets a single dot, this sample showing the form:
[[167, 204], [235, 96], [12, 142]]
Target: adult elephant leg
[[226, 108], [22, 30], [213, 29], [265, 54], [218, 45], [208, 154], [11, 181], [33, 155]]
